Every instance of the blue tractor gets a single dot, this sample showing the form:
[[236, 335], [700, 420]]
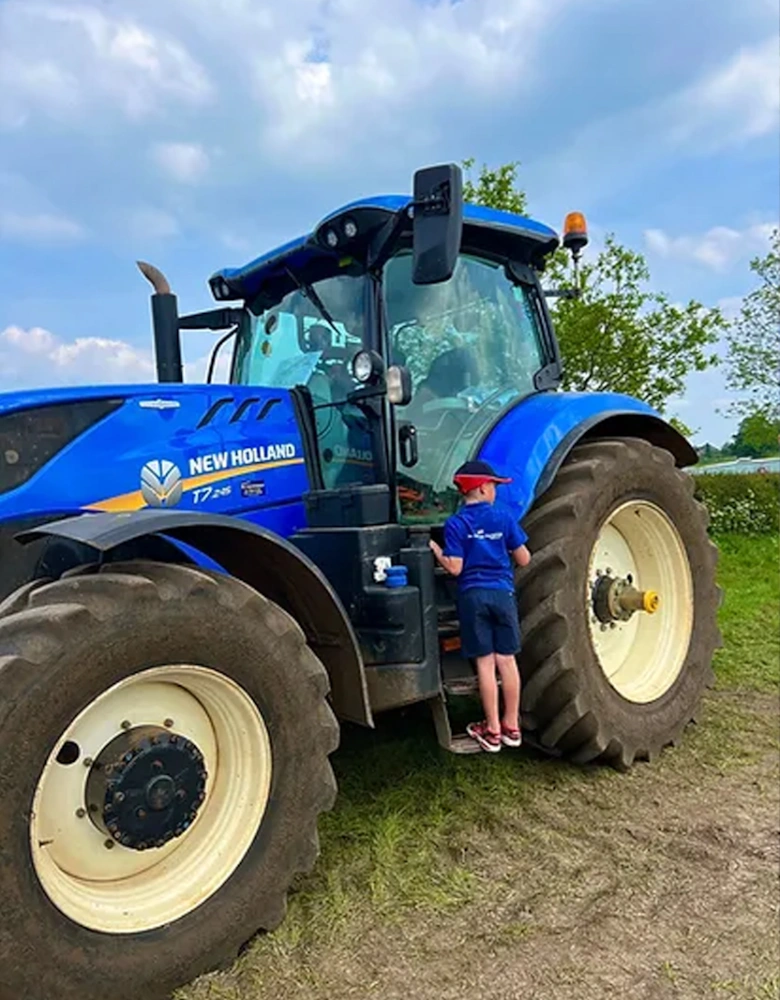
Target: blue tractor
[[197, 581]]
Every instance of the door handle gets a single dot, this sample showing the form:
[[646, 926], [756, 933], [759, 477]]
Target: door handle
[[407, 439]]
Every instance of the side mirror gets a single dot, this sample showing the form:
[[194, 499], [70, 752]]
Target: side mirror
[[399, 385], [438, 223]]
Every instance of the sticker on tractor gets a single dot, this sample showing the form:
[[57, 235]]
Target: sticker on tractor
[[238, 457], [252, 488], [161, 483]]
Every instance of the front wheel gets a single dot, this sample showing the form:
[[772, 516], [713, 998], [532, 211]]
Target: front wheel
[[618, 605], [164, 742]]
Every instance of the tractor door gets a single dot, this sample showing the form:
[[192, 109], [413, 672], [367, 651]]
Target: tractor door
[[473, 345]]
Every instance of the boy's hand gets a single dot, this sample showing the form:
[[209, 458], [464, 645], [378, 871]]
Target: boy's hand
[[521, 555], [453, 564]]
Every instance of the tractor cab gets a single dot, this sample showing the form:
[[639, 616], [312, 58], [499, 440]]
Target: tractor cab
[[408, 328]]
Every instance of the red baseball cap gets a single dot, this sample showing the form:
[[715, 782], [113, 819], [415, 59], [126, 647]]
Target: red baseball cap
[[472, 475]]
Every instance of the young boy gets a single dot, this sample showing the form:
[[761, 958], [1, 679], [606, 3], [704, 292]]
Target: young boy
[[478, 541]]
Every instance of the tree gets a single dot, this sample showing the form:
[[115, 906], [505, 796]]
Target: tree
[[495, 188], [618, 335], [753, 358], [758, 435]]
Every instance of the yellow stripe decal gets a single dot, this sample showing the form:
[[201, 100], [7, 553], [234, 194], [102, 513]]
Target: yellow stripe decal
[[135, 501]]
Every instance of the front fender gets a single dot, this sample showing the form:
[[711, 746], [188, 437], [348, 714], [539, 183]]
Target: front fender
[[265, 561], [531, 441]]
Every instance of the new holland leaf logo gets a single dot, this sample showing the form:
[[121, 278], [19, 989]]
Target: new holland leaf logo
[[161, 483]]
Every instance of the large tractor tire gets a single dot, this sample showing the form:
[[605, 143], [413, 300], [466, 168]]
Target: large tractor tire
[[164, 743], [618, 605]]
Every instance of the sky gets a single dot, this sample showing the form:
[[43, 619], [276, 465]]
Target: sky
[[198, 134]]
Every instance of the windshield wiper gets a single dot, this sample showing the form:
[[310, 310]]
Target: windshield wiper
[[313, 296]]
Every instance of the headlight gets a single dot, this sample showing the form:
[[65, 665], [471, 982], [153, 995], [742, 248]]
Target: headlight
[[331, 238], [350, 229], [367, 367]]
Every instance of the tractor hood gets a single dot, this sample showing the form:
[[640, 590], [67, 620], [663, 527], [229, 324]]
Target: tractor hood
[[216, 448]]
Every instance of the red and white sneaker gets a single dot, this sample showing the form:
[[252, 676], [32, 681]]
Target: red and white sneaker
[[511, 737], [487, 740]]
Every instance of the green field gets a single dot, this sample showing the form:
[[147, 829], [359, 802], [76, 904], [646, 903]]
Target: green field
[[441, 875]]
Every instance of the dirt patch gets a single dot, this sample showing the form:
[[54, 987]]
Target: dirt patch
[[662, 883]]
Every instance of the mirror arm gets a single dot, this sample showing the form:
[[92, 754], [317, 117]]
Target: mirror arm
[[385, 243]]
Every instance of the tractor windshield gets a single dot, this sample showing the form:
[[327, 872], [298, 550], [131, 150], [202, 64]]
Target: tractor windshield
[[473, 345], [298, 342]]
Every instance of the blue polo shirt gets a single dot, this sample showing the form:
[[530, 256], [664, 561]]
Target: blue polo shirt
[[483, 535]]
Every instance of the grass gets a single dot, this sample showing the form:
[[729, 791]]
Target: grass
[[750, 614], [418, 831]]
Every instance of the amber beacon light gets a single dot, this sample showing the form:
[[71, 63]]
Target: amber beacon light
[[575, 233]]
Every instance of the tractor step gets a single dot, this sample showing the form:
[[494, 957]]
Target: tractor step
[[460, 743]]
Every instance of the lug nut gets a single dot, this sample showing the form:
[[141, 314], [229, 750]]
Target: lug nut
[[81, 813], [108, 844], [88, 762], [92, 807], [603, 627], [141, 814], [119, 797], [125, 724], [168, 723]]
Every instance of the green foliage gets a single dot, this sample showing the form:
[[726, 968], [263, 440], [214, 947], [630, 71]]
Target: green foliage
[[743, 504], [618, 336], [750, 615], [682, 427], [754, 338], [758, 435], [495, 188]]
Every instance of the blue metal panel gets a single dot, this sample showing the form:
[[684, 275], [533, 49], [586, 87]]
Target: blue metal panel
[[247, 280], [524, 440], [230, 459]]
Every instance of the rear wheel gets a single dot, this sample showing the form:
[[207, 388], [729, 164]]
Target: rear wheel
[[164, 742], [618, 605]]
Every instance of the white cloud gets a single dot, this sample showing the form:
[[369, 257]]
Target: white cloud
[[730, 306], [379, 59], [187, 162], [100, 60], [37, 357], [739, 101], [719, 248], [736, 103], [147, 224], [39, 227]]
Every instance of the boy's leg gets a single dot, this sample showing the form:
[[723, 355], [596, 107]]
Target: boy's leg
[[475, 633], [507, 645], [510, 688], [488, 691]]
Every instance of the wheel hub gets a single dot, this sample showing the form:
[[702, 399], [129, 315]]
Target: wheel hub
[[616, 599], [146, 787]]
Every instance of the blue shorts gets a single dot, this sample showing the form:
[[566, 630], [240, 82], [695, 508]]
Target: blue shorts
[[488, 622]]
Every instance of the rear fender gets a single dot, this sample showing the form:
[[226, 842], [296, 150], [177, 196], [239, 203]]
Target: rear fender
[[531, 441], [263, 560]]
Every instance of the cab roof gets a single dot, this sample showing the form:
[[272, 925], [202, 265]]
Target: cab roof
[[485, 230]]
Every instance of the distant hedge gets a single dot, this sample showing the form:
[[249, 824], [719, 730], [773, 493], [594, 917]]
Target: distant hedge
[[742, 503]]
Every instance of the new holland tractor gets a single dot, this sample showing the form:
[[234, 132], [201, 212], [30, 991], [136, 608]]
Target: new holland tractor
[[198, 581]]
